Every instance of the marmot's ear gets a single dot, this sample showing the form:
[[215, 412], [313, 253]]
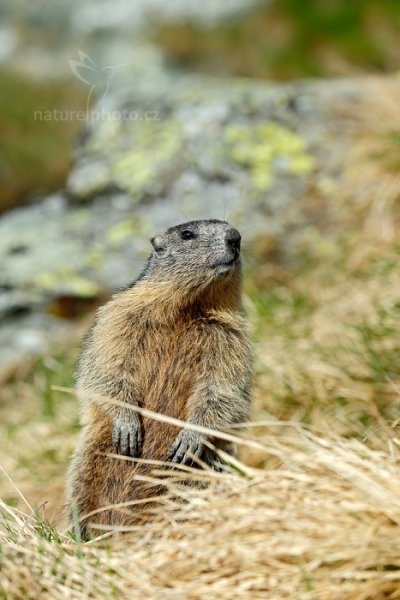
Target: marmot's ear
[[158, 243]]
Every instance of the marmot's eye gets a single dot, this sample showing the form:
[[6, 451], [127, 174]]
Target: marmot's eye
[[187, 234]]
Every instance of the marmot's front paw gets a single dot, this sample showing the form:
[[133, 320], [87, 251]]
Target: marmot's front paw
[[127, 434], [187, 444]]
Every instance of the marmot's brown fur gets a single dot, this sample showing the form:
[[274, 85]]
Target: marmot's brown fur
[[174, 342]]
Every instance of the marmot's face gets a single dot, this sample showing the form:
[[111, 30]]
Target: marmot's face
[[199, 248]]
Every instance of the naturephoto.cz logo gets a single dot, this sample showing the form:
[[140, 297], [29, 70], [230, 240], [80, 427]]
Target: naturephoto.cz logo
[[98, 81]]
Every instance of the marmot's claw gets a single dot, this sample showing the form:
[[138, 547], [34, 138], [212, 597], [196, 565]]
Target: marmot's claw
[[187, 445], [115, 439], [127, 436]]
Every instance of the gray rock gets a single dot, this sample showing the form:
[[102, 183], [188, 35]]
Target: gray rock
[[28, 334], [195, 148]]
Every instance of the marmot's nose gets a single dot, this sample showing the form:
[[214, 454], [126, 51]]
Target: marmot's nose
[[232, 240]]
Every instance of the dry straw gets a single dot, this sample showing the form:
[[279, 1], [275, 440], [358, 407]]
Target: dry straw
[[322, 522]]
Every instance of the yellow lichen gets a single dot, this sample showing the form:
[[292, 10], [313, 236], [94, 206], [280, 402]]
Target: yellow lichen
[[120, 232], [261, 146], [154, 145], [65, 280]]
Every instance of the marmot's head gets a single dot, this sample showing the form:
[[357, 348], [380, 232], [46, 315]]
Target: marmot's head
[[197, 252]]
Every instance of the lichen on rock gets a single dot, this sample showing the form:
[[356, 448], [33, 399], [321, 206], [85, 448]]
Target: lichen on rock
[[154, 145], [265, 148], [213, 149]]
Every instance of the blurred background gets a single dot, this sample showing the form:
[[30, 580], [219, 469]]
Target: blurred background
[[119, 119], [274, 40]]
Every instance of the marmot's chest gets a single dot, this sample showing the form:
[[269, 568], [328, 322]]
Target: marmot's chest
[[167, 365]]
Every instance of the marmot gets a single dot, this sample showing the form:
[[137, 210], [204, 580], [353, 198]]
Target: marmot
[[174, 342]]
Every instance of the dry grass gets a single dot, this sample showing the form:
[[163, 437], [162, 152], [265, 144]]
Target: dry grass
[[324, 523], [329, 348], [313, 510]]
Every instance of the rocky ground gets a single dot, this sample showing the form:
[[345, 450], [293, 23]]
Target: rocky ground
[[130, 175], [196, 148]]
